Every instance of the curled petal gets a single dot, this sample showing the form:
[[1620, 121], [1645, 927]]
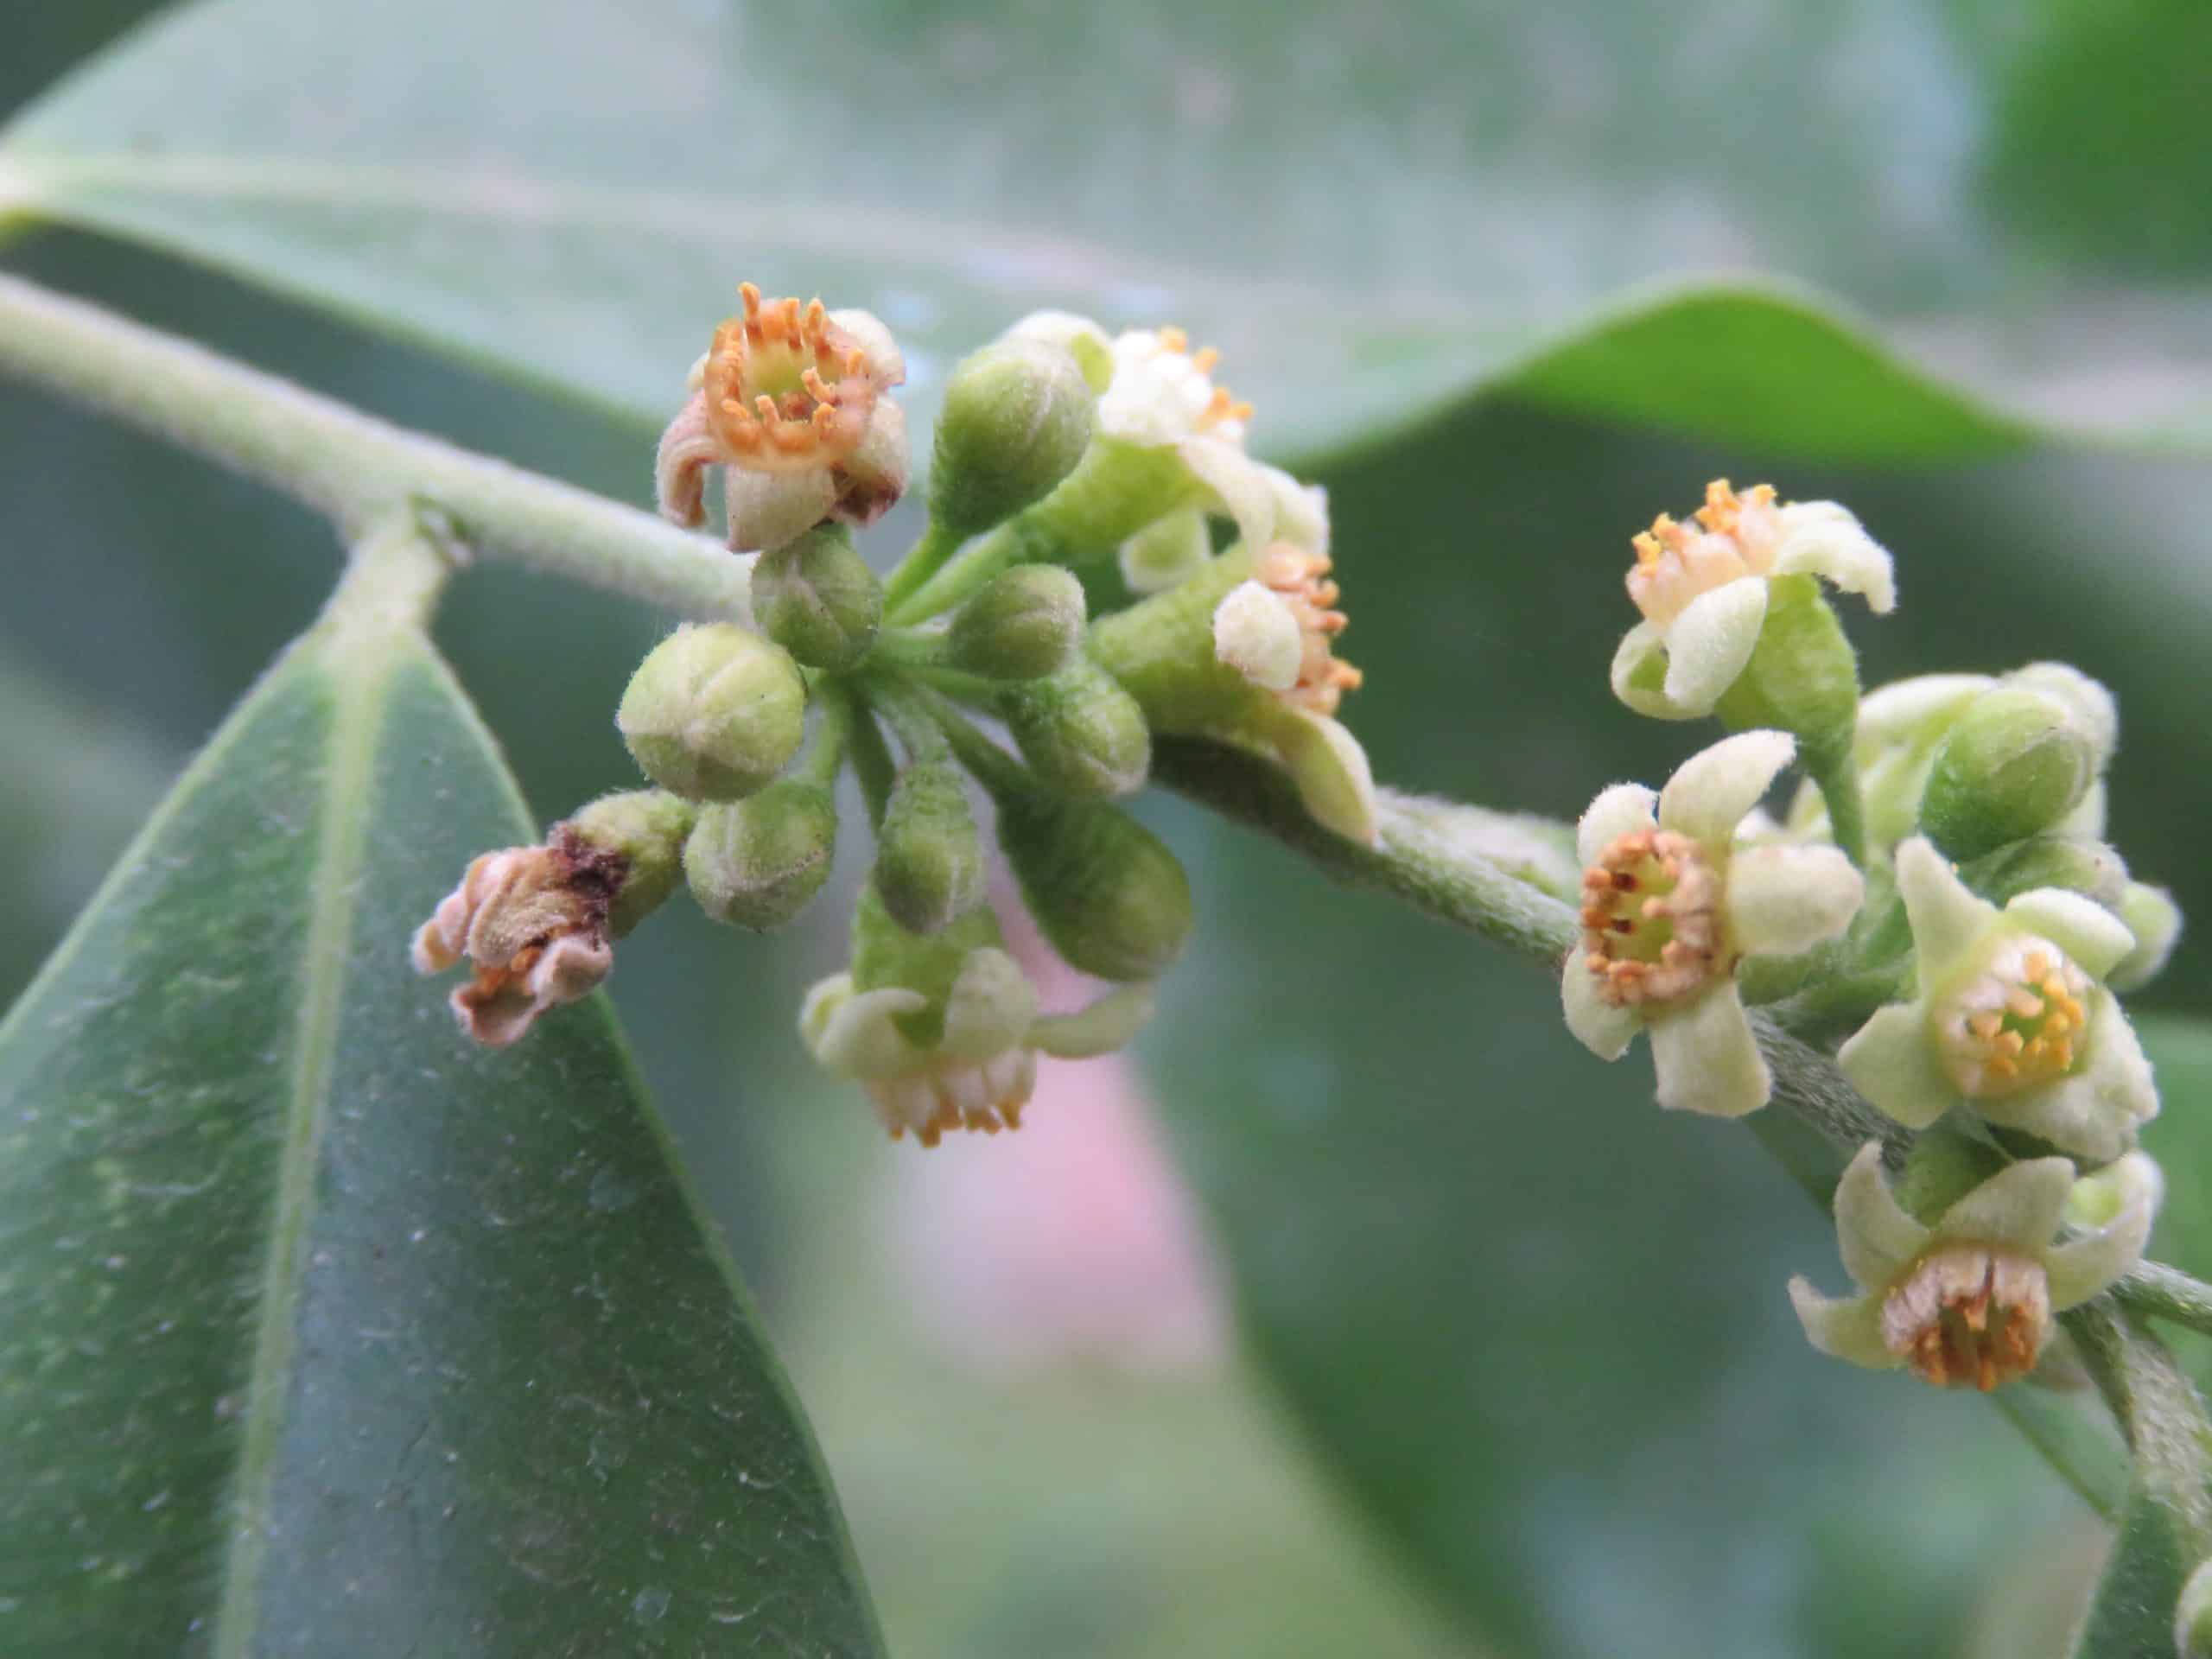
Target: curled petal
[[2081, 1267], [885, 363], [1603, 1027], [1238, 481], [1711, 641], [1619, 810], [989, 1008], [2020, 1205], [2083, 929], [1711, 790], [1891, 1060], [1846, 1328], [1822, 539], [1706, 1058], [1329, 768], [1948, 919], [1783, 899], [1877, 1238], [1107, 1024], [1639, 675], [851, 1033], [1255, 633], [687, 449]]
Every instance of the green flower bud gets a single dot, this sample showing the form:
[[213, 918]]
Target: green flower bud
[[1024, 624], [887, 956], [646, 828], [2193, 1616], [1080, 732], [2074, 862], [2015, 762], [1941, 1167], [758, 862], [714, 712], [929, 860], [816, 598], [1017, 417], [2155, 920], [1105, 891]]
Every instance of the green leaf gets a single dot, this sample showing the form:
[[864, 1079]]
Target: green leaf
[[2180, 1137], [1372, 224], [324, 1331]]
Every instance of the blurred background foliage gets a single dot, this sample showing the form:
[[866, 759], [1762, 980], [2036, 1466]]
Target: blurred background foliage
[[1511, 1370]]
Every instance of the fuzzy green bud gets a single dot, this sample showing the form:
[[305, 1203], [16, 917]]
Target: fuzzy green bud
[[714, 712], [2154, 918], [2074, 863], [1080, 732], [1017, 417], [1025, 623], [816, 598], [758, 862], [929, 859], [646, 828], [2015, 762], [1106, 892]]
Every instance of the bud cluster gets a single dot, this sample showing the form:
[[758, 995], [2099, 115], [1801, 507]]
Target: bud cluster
[[1071, 471]]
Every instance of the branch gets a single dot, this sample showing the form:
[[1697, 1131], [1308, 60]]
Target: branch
[[358, 471]]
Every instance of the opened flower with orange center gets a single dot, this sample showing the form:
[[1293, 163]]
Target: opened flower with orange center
[[1277, 628], [1968, 1301], [791, 403], [1703, 587], [2013, 1016], [1671, 905]]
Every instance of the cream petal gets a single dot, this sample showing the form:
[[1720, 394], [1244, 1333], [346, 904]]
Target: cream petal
[[1877, 1238], [2155, 920], [2068, 1113], [1706, 1058], [2082, 1266], [1165, 551], [2118, 1068], [1619, 810], [2021, 1205], [1822, 539], [1784, 899], [1301, 511], [990, 1007], [854, 1037], [1711, 641], [1639, 675], [1891, 1060], [2096, 939], [1847, 1328], [1600, 1026], [1947, 918], [887, 364], [1106, 1025], [1239, 482], [769, 509], [687, 448], [1711, 790], [1325, 761], [1255, 633]]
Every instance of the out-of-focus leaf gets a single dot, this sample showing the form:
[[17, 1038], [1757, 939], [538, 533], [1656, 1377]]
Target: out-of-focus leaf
[[1373, 220], [2180, 1137], [324, 1331]]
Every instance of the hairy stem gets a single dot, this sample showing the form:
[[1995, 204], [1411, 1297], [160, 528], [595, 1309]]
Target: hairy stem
[[357, 470]]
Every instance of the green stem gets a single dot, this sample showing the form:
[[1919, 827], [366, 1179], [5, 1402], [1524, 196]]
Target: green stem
[[2159, 1410], [907, 649], [1002, 548], [825, 757], [910, 717], [357, 470], [1838, 782], [2153, 1290], [924, 560], [872, 761]]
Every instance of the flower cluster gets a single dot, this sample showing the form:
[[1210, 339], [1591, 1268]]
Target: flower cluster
[[1065, 457], [1939, 896]]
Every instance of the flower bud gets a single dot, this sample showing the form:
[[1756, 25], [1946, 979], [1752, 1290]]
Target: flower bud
[[714, 712], [1018, 416], [816, 598], [758, 862], [929, 860], [2074, 862], [646, 828], [1106, 892], [2155, 920], [2015, 762], [1025, 624], [1080, 732]]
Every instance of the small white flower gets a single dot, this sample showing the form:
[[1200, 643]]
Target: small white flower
[[2011, 1017], [1671, 904], [790, 404], [981, 1072], [1967, 1302], [1702, 588]]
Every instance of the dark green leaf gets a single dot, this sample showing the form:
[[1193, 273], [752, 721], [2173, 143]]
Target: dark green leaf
[[1373, 220], [325, 1332]]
